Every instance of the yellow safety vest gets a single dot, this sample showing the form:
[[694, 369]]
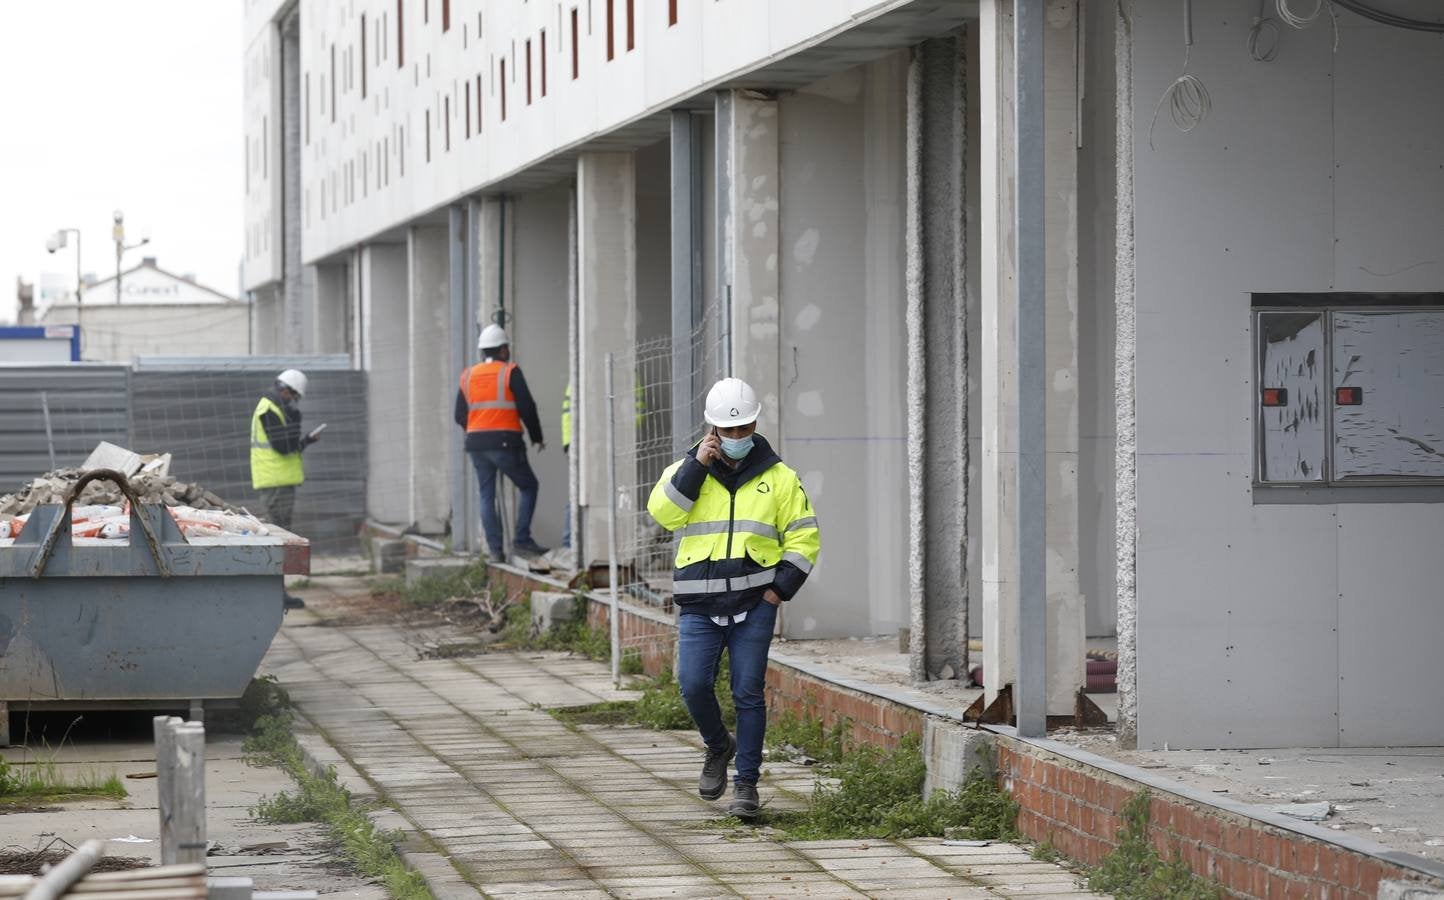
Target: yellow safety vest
[[270, 468], [733, 542]]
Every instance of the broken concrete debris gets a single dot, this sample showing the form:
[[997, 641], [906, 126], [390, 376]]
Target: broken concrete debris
[[101, 510]]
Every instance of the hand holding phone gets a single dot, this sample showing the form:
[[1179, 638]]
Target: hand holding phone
[[710, 450], [316, 432]]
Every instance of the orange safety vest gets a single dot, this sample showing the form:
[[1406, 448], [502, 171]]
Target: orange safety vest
[[490, 403]]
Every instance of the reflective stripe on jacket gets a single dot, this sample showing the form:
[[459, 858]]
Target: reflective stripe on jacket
[[733, 542], [567, 417], [490, 402], [270, 468]]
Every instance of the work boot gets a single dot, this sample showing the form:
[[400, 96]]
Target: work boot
[[496, 556], [293, 602], [713, 782], [528, 548], [744, 801]]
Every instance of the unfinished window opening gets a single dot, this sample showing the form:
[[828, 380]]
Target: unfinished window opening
[[631, 26], [1349, 389], [333, 83], [479, 118], [468, 110], [445, 15], [503, 90], [543, 62], [576, 67], [446, 121], [306, 120], [528, 71], [400, 41], [363, 56], [428, 135], [611, 39], [671, 13]]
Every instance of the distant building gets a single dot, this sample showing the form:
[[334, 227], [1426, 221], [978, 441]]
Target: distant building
[[154, 312]]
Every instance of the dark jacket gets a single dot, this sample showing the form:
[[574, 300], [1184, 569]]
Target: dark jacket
[[688, 482], [499, 440], [285, 437]]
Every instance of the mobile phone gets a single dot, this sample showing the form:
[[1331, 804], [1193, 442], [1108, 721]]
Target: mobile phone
[[317, 430]]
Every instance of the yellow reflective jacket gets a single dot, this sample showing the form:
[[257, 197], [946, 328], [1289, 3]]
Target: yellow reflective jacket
[[269, 467], [739, 531]]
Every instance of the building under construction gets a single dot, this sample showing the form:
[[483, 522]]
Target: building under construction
[[1177, 265]]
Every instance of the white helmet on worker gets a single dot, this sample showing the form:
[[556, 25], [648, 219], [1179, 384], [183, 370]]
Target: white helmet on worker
[[294, 379], [492, 336], [732, 402]]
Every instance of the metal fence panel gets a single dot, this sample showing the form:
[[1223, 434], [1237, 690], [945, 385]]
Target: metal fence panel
[[87, 404]]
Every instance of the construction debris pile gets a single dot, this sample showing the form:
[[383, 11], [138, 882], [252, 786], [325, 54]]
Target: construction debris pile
[[102, 511]]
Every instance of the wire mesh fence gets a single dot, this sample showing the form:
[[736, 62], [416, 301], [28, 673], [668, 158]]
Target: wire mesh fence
[[649, 430]]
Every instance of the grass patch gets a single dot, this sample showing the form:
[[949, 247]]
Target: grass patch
[[322, 799], [826, 744], [879, 794], [573, 635], [300, 584], [1135, 871], [469, 583], [660, 707], [42, 779]]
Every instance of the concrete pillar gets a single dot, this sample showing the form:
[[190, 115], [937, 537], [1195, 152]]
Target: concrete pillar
[[538, 331], [386, 355], [750, 236], [463, 257], [331, 301], [686, 155], [1065, 623], [606, 320], [938, 359], [432, 383]]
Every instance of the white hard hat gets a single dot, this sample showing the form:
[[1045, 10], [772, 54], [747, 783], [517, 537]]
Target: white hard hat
[[294, 379], [732, 402], [492, 336]]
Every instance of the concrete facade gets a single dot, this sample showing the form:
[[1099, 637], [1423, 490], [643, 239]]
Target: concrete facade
[[855, 261]]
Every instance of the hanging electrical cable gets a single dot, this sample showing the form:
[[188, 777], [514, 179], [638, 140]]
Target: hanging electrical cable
[[1263, 37], [1187, 98], [1359, 8], [1304, 20]]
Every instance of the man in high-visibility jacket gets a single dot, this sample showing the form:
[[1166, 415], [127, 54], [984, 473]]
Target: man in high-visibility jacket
[[276, 447], [748, 539], [493, 404]]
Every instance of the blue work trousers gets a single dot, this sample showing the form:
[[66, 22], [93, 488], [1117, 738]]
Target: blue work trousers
[[700, 652]]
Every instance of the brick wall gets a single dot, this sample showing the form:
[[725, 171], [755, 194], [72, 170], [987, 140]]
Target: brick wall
[[1078, 809], [874, 721]]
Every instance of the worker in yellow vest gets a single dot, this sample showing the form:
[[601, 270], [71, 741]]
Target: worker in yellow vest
[[493, 404], [566, 448], [747, 540], [276, 446]]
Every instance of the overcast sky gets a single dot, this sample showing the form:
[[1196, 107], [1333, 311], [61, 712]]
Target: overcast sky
[[121, 104]]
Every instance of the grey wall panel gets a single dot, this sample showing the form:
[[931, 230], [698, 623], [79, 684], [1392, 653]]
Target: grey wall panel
[[1284, 187], [202, 418], [88, 404], [843, 343], [1390, 666]]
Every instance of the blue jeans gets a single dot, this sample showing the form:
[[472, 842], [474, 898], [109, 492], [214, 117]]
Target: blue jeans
[[700, 647], [512, 463]]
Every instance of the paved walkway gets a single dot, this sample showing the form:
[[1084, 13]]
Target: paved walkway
[[497, 798]]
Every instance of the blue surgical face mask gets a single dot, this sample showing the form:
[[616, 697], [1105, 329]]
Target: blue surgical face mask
[[737, 448]]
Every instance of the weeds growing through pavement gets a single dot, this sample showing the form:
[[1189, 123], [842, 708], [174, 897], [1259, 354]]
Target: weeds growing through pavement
[[1135, 871], [320, 798]]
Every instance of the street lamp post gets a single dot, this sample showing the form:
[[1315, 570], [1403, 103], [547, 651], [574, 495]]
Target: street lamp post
[[55, 242], [117, 233]]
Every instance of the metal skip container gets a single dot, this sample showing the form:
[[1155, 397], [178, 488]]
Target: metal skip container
[[159, 620]]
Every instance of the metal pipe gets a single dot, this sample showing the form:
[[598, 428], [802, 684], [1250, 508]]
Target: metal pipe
[[58, 881], [613, 616], [1031, 694]]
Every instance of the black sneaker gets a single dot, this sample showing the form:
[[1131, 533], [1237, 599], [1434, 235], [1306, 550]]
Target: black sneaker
[[713, 782], [496, 556], [744, 801], [293, 602], [528, 548]]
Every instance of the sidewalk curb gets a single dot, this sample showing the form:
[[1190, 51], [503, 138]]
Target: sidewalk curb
[[443, 880]]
